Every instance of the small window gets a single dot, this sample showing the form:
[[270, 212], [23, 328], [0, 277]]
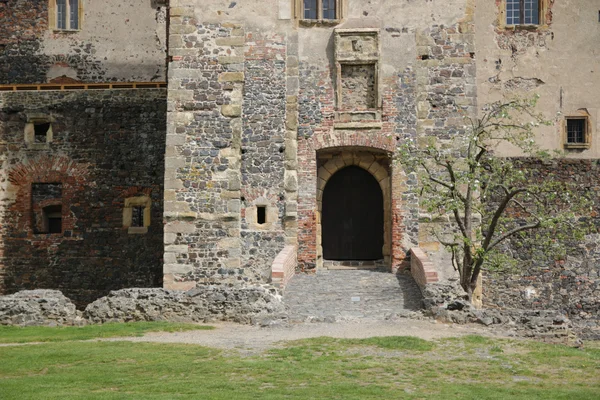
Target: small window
[[261, 215], [52, 219], [522, 12], [320, 9], [136, 214], [40, 132], [577, 132], [67, 15], [46, 205]]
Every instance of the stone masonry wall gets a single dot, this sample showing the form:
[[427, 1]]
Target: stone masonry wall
[[33, 51], [107, 145], [263, 151], [541, 283], [226, 146]]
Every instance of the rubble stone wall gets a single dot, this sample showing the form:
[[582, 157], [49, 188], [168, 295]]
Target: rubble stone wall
[[106, 146], [540, 282], [127, 45]]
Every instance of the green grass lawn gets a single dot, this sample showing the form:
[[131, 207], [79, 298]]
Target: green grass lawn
[[471, 367], [15, 334]]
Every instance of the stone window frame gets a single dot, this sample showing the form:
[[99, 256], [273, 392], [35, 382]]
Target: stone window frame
[[32, 120], [347, 118], [271, 215], [298, 7], [130, 203], [543, 9], [53, 17], [581, 114]]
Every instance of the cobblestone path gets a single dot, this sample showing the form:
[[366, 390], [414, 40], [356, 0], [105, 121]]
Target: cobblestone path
[[342, 295]]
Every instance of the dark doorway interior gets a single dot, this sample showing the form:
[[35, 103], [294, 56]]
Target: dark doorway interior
[[352, 216]]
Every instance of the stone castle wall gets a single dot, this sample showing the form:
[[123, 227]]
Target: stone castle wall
[[126, 45], [542, 283], [264, 108], [106, 146]]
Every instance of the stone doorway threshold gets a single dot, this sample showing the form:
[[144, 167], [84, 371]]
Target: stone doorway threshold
[[350, 264]]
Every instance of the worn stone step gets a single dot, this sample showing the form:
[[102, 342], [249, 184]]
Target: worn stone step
[[336, 295]]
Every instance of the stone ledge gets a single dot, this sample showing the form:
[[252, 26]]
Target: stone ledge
[[358, 125]]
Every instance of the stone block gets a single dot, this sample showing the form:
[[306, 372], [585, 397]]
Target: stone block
[[231, 110], [182, 29], [230, 60], [230, 41], [177, 248], [181, 12], [169, 238], [231, 77], [290, 181], [180, 227]]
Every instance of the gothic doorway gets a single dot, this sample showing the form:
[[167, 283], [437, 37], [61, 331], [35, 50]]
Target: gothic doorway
[[352, 216]]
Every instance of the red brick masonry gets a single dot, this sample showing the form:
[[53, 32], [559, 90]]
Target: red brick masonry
[[422, 270], [284, 266]]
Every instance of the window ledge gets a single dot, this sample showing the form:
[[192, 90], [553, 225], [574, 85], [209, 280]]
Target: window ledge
[[320, 22], [38, 146], [137, 230], [577, 146], [358, 125], [526, 27], [55, 30]]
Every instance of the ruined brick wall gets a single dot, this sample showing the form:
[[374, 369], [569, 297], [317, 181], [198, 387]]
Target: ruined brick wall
[[541, 282], [115, 41], [106, 146]]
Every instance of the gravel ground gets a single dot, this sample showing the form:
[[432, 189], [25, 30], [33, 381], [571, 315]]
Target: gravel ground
[[253, 339]]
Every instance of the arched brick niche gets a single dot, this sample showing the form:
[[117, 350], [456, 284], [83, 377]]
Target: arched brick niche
[[374, 161], [63, 178]]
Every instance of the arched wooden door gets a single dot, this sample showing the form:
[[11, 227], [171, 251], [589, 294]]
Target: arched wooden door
[[352, 216]]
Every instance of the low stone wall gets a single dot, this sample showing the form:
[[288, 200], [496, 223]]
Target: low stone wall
[[249, 305], [422, 270], [284, 267], [448, 302], [38, 307]]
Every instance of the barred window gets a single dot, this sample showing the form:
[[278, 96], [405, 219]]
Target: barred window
[[576, 130], [522, 12]]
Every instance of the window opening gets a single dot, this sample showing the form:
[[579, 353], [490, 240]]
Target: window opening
[[40, 131], [310, 9], [67, 14], [576, 128], [52, 216], [261, 215], [320, 9], [522, 12], [137, 216], [328, 9]]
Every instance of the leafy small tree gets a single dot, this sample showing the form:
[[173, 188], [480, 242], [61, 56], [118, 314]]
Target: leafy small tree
[[492, 199]]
